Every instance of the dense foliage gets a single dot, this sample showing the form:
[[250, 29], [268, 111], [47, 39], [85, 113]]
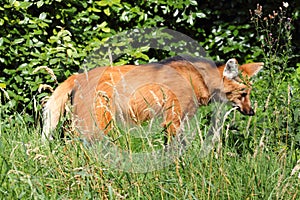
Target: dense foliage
[[42, 42], [59, 35]]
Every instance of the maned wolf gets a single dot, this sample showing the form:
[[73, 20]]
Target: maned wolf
[[173, 88]]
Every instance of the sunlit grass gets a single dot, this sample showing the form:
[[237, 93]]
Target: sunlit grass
[[68, 169]]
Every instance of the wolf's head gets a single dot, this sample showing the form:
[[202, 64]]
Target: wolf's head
[[237, 84]]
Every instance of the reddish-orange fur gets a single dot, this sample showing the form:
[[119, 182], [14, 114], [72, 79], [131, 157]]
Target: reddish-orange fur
[[134, 94]]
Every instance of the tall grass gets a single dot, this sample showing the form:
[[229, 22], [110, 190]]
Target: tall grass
[[66, 169]]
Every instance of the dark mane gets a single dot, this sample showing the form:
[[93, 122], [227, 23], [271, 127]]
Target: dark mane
[[219, 63], [172, 59], [192, 59]]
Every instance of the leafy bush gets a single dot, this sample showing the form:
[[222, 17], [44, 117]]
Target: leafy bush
[[60, 34]]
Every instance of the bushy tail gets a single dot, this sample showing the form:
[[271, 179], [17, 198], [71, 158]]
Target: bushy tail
[[55, 106]]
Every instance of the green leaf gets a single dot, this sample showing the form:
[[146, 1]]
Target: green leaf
[[96, 10], [1, 22], [101, 3], [19, 79], [16, 3], [201, 15], [40, 3], [18, 41], [107, 11], [194, 3], [235, 32], [2, 85], [43, 16], [103, 24], [25, 5], [106, 30], [69, 52], [67, 38], [53, 61]]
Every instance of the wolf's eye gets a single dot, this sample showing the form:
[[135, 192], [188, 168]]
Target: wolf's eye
[[244, 94]]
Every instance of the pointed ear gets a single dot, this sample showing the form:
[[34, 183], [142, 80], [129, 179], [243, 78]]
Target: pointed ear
[[231, 69], [251, 69]]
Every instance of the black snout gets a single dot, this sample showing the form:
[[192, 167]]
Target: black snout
[[249, 113]]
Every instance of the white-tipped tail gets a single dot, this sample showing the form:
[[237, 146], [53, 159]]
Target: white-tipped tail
[[55, 106]]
